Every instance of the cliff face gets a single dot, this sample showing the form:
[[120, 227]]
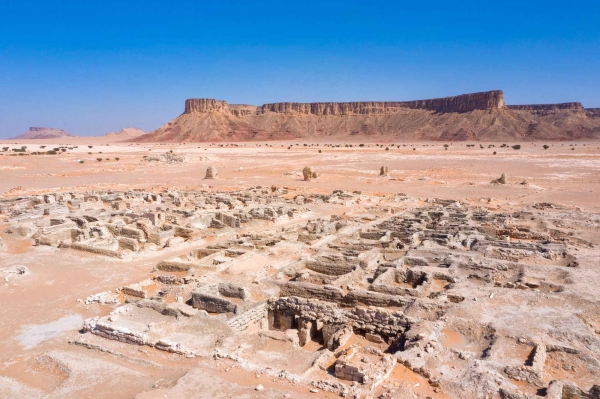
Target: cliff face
[[198, 105], [548, 107], [462, 103], [477, 116]]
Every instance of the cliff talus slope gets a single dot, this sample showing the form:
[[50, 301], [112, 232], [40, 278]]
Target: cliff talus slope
[[477, 116]]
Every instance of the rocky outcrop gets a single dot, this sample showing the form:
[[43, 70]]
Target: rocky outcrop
[[476, 116], [125, 133], [593, 112], [463, 103], [547, 107], [35, 133], [199, 105]]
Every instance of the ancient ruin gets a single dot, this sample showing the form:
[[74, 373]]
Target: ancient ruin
[[442, 291]]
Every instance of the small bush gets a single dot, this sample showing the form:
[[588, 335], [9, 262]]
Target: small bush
[[90, 146], [516, 147], [51, 152], [116, 159], [81, 161], [546, 146], [99, 159], [494, 152]]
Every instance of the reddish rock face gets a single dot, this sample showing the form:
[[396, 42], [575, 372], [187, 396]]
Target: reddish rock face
[[547, 107], [462, 103], [476, 116]]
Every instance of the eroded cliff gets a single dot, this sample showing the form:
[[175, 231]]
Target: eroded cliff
[[476, 116]]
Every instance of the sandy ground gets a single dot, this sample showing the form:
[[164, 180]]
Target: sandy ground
[[40, 312]]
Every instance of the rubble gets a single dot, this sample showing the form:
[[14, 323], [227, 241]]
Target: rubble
[[410, 285]]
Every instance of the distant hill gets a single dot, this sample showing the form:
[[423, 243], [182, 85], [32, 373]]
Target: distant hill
[[43, 133], [125, 133], [477, 116]]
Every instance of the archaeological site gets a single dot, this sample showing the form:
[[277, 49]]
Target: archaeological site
[[299, 270]]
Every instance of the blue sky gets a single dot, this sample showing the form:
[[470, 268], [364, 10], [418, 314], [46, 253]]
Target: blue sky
[[94, 67]]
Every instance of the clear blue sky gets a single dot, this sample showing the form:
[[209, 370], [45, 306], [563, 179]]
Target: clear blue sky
[[94, 67]]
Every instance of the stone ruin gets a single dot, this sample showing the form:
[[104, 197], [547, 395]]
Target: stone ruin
[[500, 180], [309, 173], [399, 285], [211, 172]]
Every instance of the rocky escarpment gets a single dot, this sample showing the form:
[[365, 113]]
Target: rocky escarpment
[[593, 112], [548, 107], [463, 103], [477, 116], [43, 133]]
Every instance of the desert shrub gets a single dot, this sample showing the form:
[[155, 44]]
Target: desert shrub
[[99, 159], [387, 148], [81, 161], [56, 149], [116, 159], [446, 145], [516, 147], [51, 152], [5, 148], [546, 146], [361, 145], [90, 146], [320, 151], [494, 152], [42, 147]]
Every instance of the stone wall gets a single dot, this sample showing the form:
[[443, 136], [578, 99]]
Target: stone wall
[[385, 322], [252, 320], [212, 303], [308, 290]]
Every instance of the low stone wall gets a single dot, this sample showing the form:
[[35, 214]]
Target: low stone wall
[[387, 323], [252, 320], [308, 290], [94, 250], [212, 303], [331, 269]]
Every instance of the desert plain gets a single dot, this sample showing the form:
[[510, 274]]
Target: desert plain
[[126, 273]]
